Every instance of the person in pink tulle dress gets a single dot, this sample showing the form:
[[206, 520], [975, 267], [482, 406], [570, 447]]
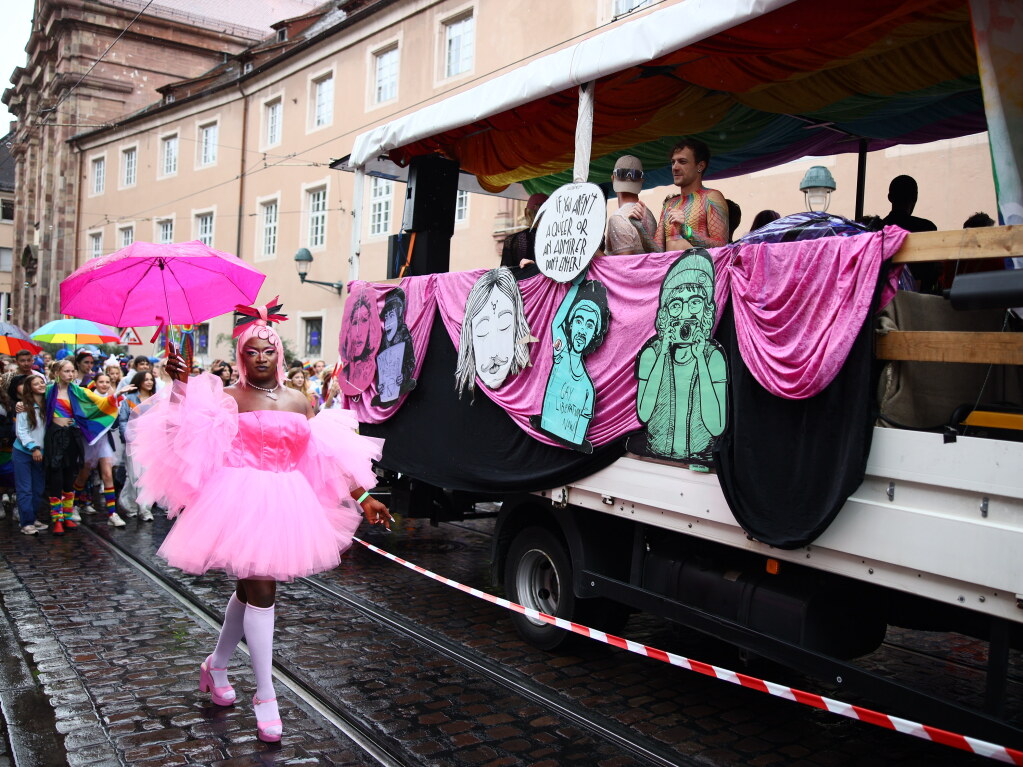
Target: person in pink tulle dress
[[258, 488]]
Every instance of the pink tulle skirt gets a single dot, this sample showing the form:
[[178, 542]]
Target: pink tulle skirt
[[252, 523]]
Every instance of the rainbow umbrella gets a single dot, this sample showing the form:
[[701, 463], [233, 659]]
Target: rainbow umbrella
[[76, 332], [13, 339]]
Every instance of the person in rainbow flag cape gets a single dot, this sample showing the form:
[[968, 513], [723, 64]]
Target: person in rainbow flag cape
[[75, 417]]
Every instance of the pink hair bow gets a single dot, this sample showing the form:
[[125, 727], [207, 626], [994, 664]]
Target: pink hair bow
[[261, 315]]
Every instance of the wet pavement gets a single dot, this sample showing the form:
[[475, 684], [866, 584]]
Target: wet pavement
[[100, 667]]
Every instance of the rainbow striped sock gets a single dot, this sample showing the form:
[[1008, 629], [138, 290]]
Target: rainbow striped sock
[[55, 509], [68, 502], [110, 497]]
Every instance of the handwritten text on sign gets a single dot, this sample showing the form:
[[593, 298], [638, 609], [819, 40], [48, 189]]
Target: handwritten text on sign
[[569, 228]]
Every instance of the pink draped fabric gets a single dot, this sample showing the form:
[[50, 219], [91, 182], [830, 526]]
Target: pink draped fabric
[[420, 302], [798, 306], [633, 304]]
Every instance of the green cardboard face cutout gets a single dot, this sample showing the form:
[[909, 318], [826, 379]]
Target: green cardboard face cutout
[[681, 371]]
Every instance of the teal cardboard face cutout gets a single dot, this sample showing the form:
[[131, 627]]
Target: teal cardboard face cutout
[[578, 328], [681, 371]]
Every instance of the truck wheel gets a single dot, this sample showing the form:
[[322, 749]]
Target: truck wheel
[[538, 575]]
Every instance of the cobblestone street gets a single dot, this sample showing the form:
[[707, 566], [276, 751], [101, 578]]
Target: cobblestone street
[[102, 670]]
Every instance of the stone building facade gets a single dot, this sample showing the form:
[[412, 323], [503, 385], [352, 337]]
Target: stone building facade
[[89, 63], [6, 228]]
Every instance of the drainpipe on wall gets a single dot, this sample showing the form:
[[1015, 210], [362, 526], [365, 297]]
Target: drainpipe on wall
[[241, 172]]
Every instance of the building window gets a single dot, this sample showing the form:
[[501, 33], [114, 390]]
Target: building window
[[170, 155], [458, 45], [461, 206], [380, 192], [386, 75], [166, 231], [127, 236], [323, 101], [207, 144], [273, 112], [99, 175], [202, 338], [317, 217], [204, 228], [269, 221], [6, 210], [282, 34], [313, 336], [129, 166], [6, 260], [95, 244]]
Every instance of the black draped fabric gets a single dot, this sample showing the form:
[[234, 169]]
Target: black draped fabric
[[787, 466], [449, 442]]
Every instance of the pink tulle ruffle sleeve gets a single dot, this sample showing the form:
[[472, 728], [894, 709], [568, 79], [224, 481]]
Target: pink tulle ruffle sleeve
[[338, 459], [178, 437]]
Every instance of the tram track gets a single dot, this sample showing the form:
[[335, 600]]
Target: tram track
[[387, 750]]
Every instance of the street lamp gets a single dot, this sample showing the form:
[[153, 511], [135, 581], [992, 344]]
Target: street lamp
[[817, 186], [303, 258]]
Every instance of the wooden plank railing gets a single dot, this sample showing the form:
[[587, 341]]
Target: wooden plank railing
[[955, 346]]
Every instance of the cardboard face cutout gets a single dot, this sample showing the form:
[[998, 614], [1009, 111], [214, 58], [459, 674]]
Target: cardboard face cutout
[[494, 342], [396, 360], [682, 373], [358, 342], [578, 328], [569, 227]]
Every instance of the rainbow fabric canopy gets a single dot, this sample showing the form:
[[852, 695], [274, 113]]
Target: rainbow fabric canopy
[[803, 78]]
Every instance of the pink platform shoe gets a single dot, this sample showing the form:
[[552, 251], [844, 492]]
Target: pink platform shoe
[[222, 696], [268, 732]]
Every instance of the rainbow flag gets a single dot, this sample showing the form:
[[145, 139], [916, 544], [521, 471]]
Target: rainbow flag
[[93, 413]]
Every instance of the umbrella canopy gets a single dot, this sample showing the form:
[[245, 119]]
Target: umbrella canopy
[[148, 284], [13, 339], [75, 332]]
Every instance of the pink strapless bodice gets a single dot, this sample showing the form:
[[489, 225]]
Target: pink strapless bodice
[[269, 440]]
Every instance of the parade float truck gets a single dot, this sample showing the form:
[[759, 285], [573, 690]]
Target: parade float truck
[[765, 442]]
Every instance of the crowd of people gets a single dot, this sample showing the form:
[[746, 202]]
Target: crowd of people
[[63, 431]]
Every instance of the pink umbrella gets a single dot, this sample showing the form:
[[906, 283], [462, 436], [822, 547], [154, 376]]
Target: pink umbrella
[[146, 284]]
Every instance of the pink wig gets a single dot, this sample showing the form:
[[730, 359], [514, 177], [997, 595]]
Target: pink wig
[[259, 327]]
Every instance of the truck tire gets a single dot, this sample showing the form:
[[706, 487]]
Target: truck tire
[[538, 575]]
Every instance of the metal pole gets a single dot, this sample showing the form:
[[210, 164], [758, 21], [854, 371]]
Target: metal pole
[[584, 133], [861, 177], [356, 243]]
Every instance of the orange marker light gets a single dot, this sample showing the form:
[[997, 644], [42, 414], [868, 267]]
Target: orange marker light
[[772, 566]]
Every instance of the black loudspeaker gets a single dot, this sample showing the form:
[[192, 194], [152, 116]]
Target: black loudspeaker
[[430, 195], [430, 255]]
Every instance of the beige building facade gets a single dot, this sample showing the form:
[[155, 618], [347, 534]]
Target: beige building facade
[[239, 157]]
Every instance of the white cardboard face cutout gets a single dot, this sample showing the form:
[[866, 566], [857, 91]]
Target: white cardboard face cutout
[[568, 230], [493, 339]]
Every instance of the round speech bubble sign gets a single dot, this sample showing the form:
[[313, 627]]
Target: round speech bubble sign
[[569, 227]]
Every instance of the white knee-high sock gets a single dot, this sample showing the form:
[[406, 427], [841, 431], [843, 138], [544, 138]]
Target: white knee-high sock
[[231, 634], [259, 635]]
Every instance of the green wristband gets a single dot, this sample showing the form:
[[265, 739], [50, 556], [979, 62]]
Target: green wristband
[[363, 497]]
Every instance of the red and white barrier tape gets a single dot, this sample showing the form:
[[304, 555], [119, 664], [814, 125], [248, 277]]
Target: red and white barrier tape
[[905, 726]]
